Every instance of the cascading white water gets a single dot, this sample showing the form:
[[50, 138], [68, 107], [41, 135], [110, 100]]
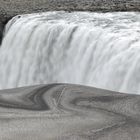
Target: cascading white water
[[98, 49]]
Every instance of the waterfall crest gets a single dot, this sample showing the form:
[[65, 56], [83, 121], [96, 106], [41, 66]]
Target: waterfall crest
[[96, 49]]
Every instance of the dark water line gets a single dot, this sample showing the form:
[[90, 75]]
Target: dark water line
[[1, 32]]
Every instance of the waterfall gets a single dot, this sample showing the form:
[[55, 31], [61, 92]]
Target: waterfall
[[95, 49]]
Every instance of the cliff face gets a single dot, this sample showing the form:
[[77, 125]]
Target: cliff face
[[1, 31], [10, 8]]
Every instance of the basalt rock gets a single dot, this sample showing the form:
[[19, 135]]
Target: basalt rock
[[10, 8], [1, 32]]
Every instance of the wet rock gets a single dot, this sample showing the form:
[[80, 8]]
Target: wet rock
[[10, 8], [1, 31]]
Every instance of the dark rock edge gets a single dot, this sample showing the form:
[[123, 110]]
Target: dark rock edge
[[9, 9]]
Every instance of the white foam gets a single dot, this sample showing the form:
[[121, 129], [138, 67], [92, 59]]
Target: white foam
[[98, 49]]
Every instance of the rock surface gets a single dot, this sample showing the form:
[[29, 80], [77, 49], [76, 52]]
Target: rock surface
[[68, 112], [10, 8], [1, 31]]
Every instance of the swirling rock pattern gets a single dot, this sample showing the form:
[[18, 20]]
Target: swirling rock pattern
[[68, 112]]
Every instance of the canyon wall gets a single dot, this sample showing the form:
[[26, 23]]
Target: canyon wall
[[10, 8]]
